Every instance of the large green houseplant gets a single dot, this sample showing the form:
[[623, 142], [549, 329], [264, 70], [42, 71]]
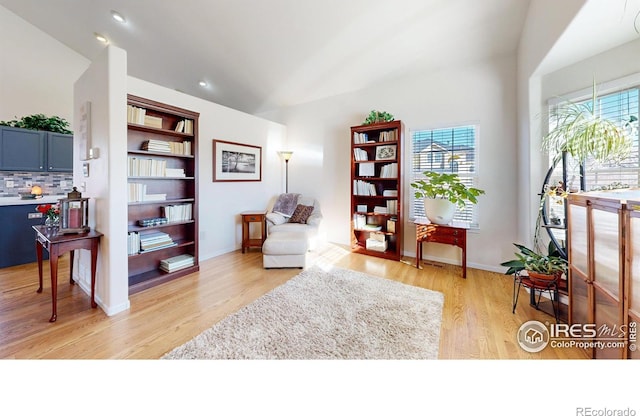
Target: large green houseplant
[[442, 194], [581, 131], [539, 266]]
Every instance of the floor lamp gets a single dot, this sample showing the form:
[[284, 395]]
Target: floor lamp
[[286, 155]]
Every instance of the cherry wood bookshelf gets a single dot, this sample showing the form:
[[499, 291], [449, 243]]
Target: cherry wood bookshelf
[[376, 189], [144, 266]]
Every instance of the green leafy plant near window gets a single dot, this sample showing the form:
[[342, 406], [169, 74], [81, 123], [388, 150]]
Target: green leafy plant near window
[[378, 117], [446, 186], [53, 124]]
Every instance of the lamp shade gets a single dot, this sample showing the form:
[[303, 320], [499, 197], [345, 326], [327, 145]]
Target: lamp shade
[[286, 154]]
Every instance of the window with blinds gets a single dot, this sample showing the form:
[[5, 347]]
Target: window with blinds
[[621, 107], [450, 150]]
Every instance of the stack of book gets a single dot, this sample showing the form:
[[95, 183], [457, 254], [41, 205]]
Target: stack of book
[[360, 154], [176, 263], [152, 121], [174, 173], [178, 213], [138, 193], [135, 114], [152, 145], [133, 243], [155, 241], [184, 126], [146, 167]]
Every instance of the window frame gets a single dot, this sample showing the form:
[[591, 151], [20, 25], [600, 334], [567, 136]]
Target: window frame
[[474, 223]]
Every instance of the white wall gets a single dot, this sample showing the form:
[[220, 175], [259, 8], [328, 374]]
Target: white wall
[[614, 64], [545, 23], [319, 135], [104, 85], [36, 71]]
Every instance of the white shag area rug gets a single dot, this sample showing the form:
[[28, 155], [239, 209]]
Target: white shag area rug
[[334, 314]]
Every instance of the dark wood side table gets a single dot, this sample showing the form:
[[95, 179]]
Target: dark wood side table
[[445, 234], [247, 218], [58, 244]]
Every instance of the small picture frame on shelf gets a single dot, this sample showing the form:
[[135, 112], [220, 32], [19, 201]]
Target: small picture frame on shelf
[[236, 162], [387, 152]]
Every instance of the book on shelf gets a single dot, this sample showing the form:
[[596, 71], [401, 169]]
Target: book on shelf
[[380, 210], [364, 188], [367, 169], [376, 242], [178, 212], [152, 121], [135, 114], [390, 192], [361, 208], [180, 126], [391, 225], [389, 171], [388, 136], [133, 243], [145, 167], [155, 241], [174, 173], [137, 192], [360, 154], [177, 262]]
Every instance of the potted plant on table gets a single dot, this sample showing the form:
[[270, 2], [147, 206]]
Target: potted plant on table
[[443, 193], [540, 267]]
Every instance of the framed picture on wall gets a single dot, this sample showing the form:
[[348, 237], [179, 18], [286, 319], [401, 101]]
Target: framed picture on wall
[[236, 162]]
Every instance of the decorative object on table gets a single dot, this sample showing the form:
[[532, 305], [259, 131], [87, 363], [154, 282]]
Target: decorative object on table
[[443, 193], [236, 162], [378, 117], [74, 213], [51, 213], [53, 124], [286, 155]]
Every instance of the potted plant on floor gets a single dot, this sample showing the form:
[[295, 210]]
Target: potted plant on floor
[[541, 267], [442, 194]]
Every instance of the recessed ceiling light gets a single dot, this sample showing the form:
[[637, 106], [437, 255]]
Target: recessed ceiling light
[[118, 17], [101, 38], [202, 83]]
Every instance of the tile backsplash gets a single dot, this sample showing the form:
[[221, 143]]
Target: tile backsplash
[[51, 183]]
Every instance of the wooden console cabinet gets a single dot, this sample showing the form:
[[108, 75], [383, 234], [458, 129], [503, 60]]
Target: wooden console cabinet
[[604, 266]]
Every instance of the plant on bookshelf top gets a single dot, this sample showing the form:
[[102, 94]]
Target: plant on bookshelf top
[[378, 117], [53, 124]]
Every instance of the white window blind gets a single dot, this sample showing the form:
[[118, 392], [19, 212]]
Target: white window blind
[[450, 150]]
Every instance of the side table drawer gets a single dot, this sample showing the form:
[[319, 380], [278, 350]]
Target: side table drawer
[[446, 239], [253, 218]]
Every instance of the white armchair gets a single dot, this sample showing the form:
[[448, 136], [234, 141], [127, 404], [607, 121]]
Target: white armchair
[[292, 229]]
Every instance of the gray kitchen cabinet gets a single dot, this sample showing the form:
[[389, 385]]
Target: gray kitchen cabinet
[[35, 151]]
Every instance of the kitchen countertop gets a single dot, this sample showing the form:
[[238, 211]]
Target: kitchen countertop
[[16, 200]]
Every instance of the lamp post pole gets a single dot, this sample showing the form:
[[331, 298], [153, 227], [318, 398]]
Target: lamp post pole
[[286, 164]]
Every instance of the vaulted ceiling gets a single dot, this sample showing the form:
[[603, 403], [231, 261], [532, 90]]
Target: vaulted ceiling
[[257, 55]]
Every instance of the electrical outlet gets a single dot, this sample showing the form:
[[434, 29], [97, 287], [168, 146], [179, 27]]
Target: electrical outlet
[[28, 184], [9, 184], [63, 184]]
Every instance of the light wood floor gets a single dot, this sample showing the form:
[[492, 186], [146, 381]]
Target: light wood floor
[[477, 319]]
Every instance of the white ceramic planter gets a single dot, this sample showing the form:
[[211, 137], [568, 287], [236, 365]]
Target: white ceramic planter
[[439, 211]]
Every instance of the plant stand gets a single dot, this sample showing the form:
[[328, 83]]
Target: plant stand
[[540, 287]]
